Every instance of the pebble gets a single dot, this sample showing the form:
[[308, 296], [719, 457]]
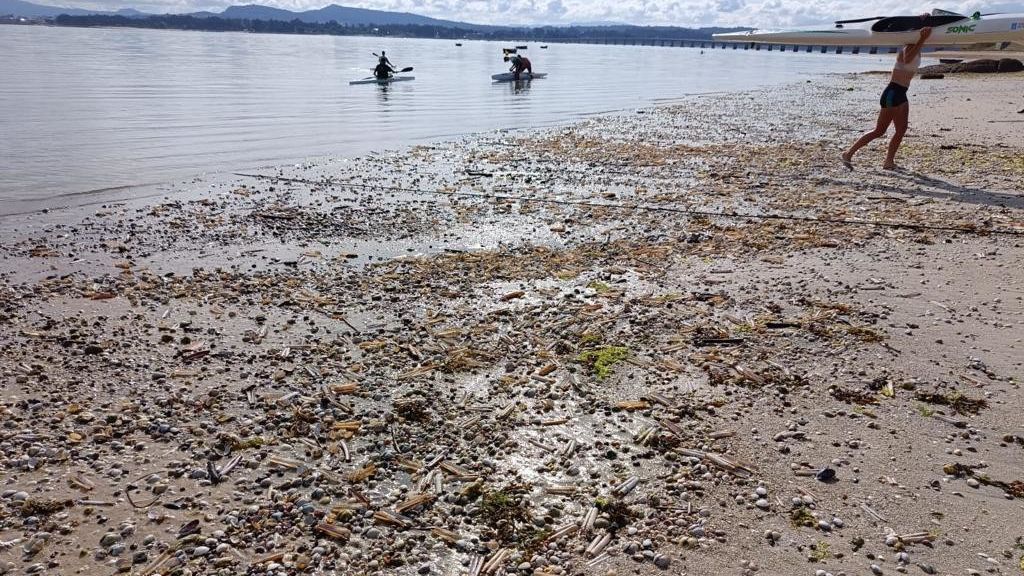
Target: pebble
[[876, 569], [762, 504]]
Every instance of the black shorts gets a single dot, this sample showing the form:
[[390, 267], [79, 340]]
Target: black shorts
[[894, 95]]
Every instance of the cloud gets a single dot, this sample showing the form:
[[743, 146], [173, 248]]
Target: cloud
[[759, 13]]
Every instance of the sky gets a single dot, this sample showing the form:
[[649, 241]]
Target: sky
[[756, 13]]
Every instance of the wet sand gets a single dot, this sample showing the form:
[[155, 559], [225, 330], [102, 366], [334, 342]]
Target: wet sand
[[623, 346]]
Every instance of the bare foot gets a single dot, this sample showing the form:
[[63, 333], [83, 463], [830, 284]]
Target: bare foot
[[846, 159]]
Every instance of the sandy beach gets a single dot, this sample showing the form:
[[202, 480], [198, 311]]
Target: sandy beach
[[676, 340]]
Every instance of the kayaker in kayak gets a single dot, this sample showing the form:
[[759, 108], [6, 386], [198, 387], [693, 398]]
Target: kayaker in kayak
[[895, 106], [384, 69], [520, 64]]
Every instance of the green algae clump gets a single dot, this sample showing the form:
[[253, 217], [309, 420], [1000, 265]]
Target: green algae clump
[[602, 360]]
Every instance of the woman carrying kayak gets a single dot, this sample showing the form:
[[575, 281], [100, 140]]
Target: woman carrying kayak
[[519, 64], [895, 106]]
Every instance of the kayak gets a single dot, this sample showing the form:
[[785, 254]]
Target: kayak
[[948, 28], [382, 81], [510, 77]]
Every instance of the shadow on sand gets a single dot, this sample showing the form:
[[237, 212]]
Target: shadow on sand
[[923, 185]]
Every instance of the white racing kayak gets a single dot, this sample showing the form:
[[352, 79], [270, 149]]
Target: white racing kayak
[[510, 77], [382, 81], [948, 28]]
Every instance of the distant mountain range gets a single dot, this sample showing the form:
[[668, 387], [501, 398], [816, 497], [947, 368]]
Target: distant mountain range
[[340, 14], [333, 19], [29, 10]]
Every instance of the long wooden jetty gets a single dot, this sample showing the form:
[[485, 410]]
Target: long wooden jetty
[[706, 44]]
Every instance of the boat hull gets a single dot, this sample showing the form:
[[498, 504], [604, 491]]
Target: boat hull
[[382, 81], [509, 77], [989, 29]]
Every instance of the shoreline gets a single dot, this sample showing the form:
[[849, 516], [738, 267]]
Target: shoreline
[[445, 357]]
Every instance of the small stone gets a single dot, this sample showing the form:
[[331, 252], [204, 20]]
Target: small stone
[[762, 503], [201, 551], [973, 483], [825, 475], [875, 568], [662, 561], [109, 539]]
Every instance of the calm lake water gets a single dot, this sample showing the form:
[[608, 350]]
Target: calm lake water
[[85, 111]]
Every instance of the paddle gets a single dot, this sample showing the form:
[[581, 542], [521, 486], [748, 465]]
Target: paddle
[[859, 20], [406, 69]]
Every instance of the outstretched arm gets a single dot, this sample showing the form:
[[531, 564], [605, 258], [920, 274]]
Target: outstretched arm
[[914, 51]]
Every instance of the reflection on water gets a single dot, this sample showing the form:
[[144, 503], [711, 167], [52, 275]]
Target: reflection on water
[[518, 87], [88, 109]]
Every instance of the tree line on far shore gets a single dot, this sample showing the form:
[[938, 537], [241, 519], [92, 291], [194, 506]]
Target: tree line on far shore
[[296, 26]]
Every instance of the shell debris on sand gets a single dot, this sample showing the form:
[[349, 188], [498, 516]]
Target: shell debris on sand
[[345, 368]]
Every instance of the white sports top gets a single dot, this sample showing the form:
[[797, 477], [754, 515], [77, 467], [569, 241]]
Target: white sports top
[[909, 66]]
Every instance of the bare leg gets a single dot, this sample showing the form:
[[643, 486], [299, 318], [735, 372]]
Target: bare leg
[[885, 117], [901, 120]]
